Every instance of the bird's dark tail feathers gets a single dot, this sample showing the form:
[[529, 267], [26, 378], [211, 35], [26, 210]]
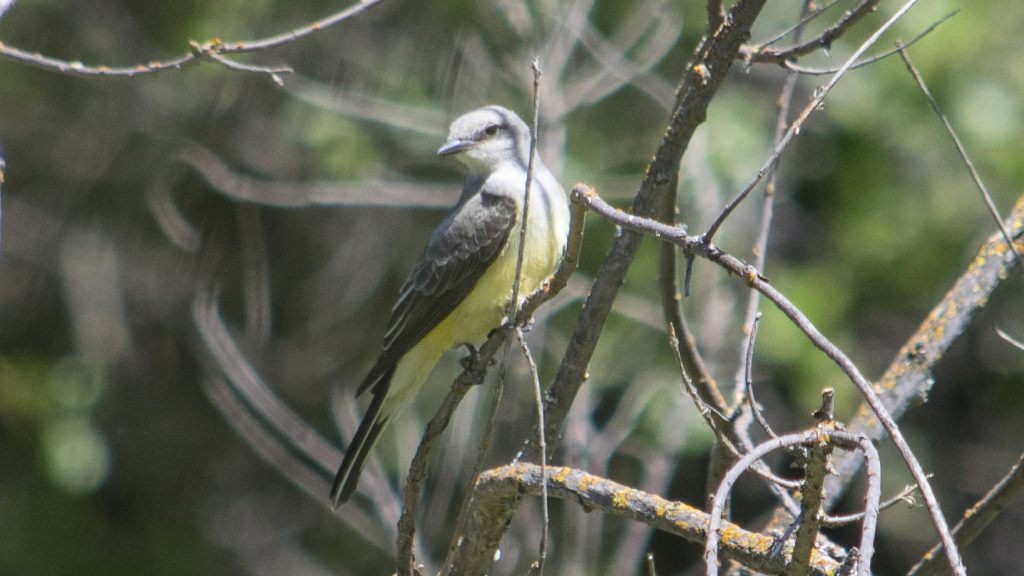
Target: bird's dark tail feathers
[[347, 479]]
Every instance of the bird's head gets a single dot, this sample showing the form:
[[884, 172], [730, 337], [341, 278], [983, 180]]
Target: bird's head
[[485, 138]]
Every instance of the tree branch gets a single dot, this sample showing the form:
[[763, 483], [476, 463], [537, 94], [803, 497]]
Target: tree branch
[[822, 41], [696, 245], [500, 489], [976, 518], [211, 50], [818, 435], [908, 379]]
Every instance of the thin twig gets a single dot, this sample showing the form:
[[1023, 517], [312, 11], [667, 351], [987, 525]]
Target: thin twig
[[1003, 335], [909, 377], [539, 398], [822, 41], [551, 287], [976, 518], [814, 104], [872, 59], [538, 568], [872, 494], [904, 495], [755, 409], [993, 210], [718, 423], [514, 309], [820, 434], [715, 419], [696, 245], [212, 50], [760, 249], [806, 17]]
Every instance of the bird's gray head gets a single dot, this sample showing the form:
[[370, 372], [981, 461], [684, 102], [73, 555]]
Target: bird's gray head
[[487, 137]]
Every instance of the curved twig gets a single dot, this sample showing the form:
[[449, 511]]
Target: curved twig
[[696, 245], [819, 436]]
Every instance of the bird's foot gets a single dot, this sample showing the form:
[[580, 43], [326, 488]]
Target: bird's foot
[[471, 364]]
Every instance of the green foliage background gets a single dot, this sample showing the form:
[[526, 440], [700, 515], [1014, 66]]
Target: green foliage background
[[113, 462]]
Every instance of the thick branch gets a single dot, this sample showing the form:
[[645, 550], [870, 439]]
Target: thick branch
[[701, 80], [499, 490], [810, 505]]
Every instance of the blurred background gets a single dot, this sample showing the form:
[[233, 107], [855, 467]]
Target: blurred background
[[310, 201]]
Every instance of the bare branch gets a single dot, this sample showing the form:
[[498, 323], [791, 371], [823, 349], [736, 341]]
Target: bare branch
[[539, 399], [820, 435], [1016, 343], [794, 128], [502, 488], [760, 250], [696, 245], [712, 59], [872, 59], [815, 468], [755, 408], [211, 50], [993, 210], [513, 314], [808, 13], [905, 495], [822, 41], [908, 379], [976, 518]]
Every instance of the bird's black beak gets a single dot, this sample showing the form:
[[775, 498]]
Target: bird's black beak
[[454, 146]]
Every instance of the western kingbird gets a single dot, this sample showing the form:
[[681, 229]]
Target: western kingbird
[[462, 283]]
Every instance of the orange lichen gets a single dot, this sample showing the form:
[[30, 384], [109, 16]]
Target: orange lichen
[[563, 473], [621, 498], [702, 71]]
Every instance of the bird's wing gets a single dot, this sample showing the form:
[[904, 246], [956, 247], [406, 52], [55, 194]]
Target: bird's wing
[[458, 254]]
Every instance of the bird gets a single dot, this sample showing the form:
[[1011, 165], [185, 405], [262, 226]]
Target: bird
[[462, 283]]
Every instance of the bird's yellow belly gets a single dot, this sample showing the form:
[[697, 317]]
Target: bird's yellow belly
[[484, 307]]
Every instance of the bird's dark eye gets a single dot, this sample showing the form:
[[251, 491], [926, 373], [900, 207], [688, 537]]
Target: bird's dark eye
[[492, 129]]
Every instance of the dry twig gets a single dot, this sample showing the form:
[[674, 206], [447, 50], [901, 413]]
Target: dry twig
[[212, 50]]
